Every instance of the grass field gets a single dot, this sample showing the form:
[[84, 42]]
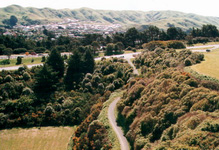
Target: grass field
[[210, 66], [25, 61], [45, 138]]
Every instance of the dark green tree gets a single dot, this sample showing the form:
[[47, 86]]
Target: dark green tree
[[131, 36], [2, 47], [96, 46], [8, 52], [56, 62], [209, 31], [88, 62], [45, 82], [19, 60], [13, 20], [10, 22], [174, 33], [74, 71]]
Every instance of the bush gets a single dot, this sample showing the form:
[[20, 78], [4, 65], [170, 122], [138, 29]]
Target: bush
[[26, 76], [27, 91], [175, 45], [151, 46], [9, 78], [188, 62], [19, 60], [19, 50], [43, 59], [48, 111], [5, 62], [39, 49]]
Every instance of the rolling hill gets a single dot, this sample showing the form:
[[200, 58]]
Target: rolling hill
[[162, 19]]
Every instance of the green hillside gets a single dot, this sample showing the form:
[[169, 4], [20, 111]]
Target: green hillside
[[162, 19]]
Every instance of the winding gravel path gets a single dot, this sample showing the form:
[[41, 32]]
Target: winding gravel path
[[135, 71], [112, 119]]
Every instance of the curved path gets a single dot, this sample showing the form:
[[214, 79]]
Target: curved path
[[135, 71], [112, 119], [211, 47]]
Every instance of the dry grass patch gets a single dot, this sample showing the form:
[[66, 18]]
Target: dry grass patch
[[45, 138], [210, 66]]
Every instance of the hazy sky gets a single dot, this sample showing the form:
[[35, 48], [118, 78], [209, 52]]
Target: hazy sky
[[201, 7]]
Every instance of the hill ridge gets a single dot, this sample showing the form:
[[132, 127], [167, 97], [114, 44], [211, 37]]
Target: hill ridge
[[162, 19]]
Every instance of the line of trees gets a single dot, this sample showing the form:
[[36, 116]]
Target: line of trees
[[131, 38]]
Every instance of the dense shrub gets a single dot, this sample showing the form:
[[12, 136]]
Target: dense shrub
[[153, 45], [175, 44]]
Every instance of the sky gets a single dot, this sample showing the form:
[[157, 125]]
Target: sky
[[200, 7]]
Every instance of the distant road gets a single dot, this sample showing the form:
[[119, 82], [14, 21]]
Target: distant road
[[112, 119], [125, 56], [215, 46]]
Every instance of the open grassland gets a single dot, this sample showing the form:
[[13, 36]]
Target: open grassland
[[210, 66], [45, 138], [25, 61]]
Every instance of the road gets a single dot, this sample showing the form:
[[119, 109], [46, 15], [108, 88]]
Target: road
[[112, 119], [125, 56], [212, 47], [135, 71]]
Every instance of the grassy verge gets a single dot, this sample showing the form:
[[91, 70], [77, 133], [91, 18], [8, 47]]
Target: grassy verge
[[103, 117], [48, 138], [200, 76], [209, 67], [25, 61]]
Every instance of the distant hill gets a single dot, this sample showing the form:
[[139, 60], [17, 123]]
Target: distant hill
[[162, 19]]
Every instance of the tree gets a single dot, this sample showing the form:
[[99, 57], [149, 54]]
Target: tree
[[131, 36], [8, 52], [120, 46], [152, 33], [174, 33], [10, 22], [19, 60], [74, 71], [95, 45], [13, 20], [2, 47], [88, 62], [209, 31], [45, 82], [109, 49], [56, 62]]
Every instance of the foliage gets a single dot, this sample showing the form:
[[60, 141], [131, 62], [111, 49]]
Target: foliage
[[56, 62], [151, 46], [19, 61], [175, 44]]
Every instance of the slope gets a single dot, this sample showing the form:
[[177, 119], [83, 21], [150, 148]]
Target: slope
[[162, 19]]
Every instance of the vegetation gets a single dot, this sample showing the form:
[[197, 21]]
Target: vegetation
[[25, 61], [116, 75], [50, 138], [210, 65], [168, 106], [162, 19], [161, 109]]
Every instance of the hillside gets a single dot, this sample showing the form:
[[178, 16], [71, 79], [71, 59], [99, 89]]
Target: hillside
[[162, 19], [168, 108]]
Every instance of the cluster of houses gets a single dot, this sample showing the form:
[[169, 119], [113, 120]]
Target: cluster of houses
[[67, 27]]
